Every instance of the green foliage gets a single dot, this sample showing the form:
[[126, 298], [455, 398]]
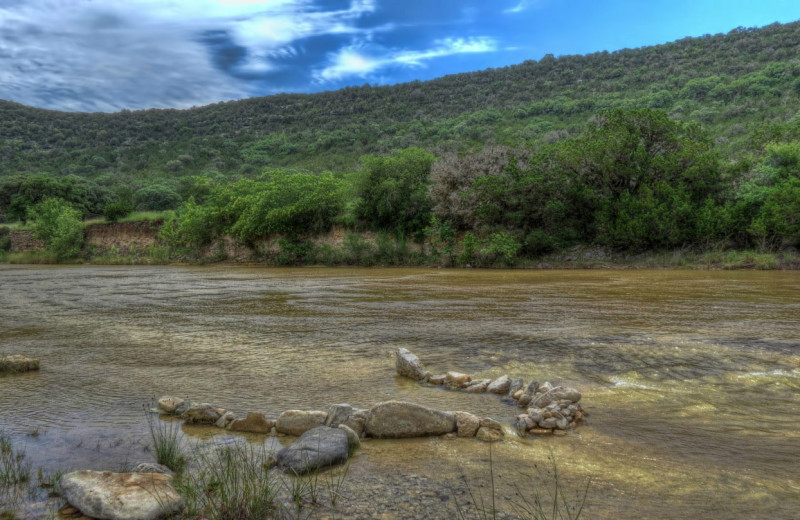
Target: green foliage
[[156, 197], [469, 248], [392, 191], [501, 247], [188, 229], [293, 252], [58, 224], [5, 239], [116, 210], [292, 204]]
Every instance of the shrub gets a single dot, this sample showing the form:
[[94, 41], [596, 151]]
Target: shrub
[[58, 224], [503, 247], [116, 210]]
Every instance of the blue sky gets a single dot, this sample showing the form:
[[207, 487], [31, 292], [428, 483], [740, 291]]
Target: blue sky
[[106, 55]]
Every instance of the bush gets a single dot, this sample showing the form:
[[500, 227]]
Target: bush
[[156, 197], [502, 247], [58, 224], [116, 210]]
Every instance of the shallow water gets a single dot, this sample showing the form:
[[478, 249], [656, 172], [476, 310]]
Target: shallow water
[[691, 378]]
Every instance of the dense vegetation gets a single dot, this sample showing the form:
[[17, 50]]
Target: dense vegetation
[[691, 144]]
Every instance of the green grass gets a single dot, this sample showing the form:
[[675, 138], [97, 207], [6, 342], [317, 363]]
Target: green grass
[[14, 469], [167, 442]]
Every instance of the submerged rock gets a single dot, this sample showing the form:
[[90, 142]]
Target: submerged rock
[[202, 413], [457, 380], [255, 422], [120, 496], [397, 419], [317, 448], [408, 365], [478, 387], [17, 363], [172, 405], [297, 422]]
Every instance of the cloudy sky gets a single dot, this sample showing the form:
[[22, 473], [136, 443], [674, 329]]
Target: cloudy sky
[[106, 55]]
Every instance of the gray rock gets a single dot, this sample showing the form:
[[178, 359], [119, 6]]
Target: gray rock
[[478, 387], [557, 394], [467, 424], [396, 419], [297, 422], [532, 387], [500, 385], [338, 414], [152, 467], [549, 423], [408, 365], [202, 413], [255, 422], [523, 423], [353, 439], [120, 496], [317, 448], [516, 384], [535, 414], [357, 422], [490, 431], [524, 400]]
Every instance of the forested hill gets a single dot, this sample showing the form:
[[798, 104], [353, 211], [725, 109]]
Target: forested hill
[[735, 84]]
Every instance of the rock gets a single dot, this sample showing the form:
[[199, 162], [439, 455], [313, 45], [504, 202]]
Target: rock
[[516, 384], [152, 467], [201, 413], [172, 405], [297, 422], [456, 380], [535, 414], [478, 387], [490, 431], [17, 363], [396, 419], [540, 431], [532, 387], [517, 394], [353, 439], [523, 423], [255, 422], [120, 496], [545, 387], [357, 422], [436, 380], [467, 424], [408, 365], [524, 400], [225, 420], [317, 448], [549, 423], [501, 385], [557, 394], [338, 414]]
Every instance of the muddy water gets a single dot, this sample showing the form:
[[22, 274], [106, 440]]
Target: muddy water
[[691, 378]]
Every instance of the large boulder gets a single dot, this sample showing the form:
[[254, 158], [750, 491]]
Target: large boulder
[[254, 422], [490, 431], [317, 448], [297, 422], [396, 419], [120, 496], [16, 363], [408, 365]]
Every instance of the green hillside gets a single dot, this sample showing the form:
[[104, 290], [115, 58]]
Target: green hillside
[[728, 102]]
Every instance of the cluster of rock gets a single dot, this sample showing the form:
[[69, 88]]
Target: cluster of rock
[[549, 409], [16, 363]]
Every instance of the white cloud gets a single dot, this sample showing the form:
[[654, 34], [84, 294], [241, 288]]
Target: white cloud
[[523, 5], [356, 61]]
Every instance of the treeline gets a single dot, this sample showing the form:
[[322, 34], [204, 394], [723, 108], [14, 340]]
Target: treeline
[[634, 180]]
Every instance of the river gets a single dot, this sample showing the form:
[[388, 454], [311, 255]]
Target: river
[[690, 378]]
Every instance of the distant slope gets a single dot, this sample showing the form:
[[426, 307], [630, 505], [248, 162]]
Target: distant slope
[[737, 84]]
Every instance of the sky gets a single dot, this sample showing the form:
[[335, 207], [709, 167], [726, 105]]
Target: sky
[[108, 55]]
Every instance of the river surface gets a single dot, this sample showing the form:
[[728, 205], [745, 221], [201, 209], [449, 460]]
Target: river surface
[[691, 378]]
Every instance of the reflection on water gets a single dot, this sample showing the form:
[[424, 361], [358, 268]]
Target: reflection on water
[[691, 378]]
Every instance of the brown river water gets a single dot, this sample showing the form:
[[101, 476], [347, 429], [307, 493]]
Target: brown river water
[[691, 378]]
